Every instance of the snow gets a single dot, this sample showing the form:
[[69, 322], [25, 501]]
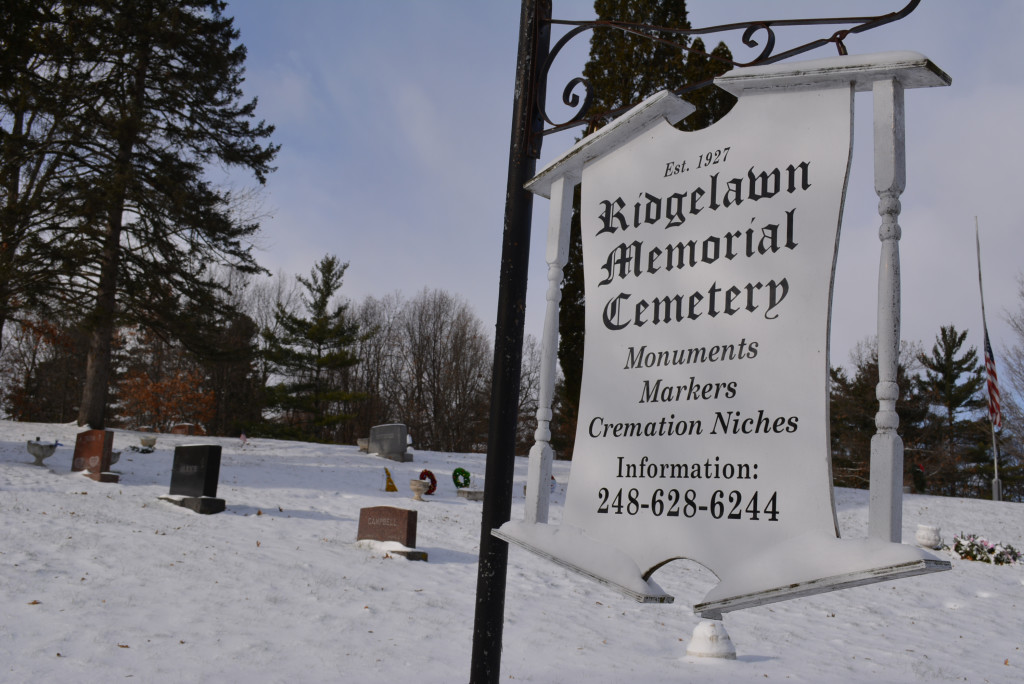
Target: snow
[[571, 547], [101, 582]]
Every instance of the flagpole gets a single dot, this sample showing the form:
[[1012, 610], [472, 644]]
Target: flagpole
[[996, 484]]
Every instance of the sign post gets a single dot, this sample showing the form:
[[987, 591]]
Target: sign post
[[524, 149]]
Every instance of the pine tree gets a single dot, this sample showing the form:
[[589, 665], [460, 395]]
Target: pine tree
[[952, 383], [38, 85], [853, 405], [158, 100], [625, 68], [311, 352], [233, 376], [622, 70]]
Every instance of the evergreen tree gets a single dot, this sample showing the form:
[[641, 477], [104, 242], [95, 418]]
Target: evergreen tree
[[853, 405], [233, 376], [38, 87], [712, 102], [311, 353], [622, 70], [952, 383], [571, 325], [158, 98], [625, 68]]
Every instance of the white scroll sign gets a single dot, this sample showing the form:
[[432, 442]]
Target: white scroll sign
[[703, 420]]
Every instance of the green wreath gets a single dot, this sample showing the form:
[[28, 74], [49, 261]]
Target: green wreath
[[460, 476], [427, 475]]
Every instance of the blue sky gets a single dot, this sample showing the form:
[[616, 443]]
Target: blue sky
[[394, 120]]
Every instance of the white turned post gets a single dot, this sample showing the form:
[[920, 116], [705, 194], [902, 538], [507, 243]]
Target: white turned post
[[885, 513], [538, 476]]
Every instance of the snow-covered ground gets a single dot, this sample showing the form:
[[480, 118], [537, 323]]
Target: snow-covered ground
[[104, 582]]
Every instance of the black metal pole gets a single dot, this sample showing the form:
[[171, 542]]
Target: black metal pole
[[534, 39]]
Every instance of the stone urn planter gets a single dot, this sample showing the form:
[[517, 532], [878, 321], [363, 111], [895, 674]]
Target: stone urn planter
[[40, 450], [148, 441], [419, 488]]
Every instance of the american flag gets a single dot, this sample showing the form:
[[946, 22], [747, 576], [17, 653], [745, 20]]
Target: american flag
[[994, 412]]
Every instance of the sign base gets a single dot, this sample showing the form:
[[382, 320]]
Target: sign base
[[574, 550], [830, 564], [713, 610]]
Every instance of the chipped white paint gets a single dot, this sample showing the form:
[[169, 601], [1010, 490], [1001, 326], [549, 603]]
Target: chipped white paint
[[885, 516], [539, 473]]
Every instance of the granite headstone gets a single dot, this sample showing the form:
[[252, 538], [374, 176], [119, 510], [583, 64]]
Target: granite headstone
[[390, 441], [387, 523], [194, 478], [196, 470], [93, 455]]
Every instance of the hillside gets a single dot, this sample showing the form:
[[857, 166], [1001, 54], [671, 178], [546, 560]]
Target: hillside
[[103, 582]]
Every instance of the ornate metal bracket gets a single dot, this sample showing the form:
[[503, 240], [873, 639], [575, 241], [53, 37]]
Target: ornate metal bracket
[[750, 29]]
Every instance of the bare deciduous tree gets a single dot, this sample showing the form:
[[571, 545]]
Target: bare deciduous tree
[[446, 372], [425, 362], [529, 392], [378, 375]]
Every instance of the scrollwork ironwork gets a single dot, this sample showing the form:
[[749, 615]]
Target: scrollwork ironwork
[[751, 30]]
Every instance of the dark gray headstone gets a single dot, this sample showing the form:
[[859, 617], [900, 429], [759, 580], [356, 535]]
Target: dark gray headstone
[[196, 470], [390, 441]]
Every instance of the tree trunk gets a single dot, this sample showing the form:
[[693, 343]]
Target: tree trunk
[[92, 411], [102, 321]]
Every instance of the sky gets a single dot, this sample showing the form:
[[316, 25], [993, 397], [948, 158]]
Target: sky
[[105, 582], [394, 121]]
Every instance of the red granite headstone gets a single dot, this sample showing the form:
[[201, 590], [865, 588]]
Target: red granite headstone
[[386, 523], [92, 454]]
